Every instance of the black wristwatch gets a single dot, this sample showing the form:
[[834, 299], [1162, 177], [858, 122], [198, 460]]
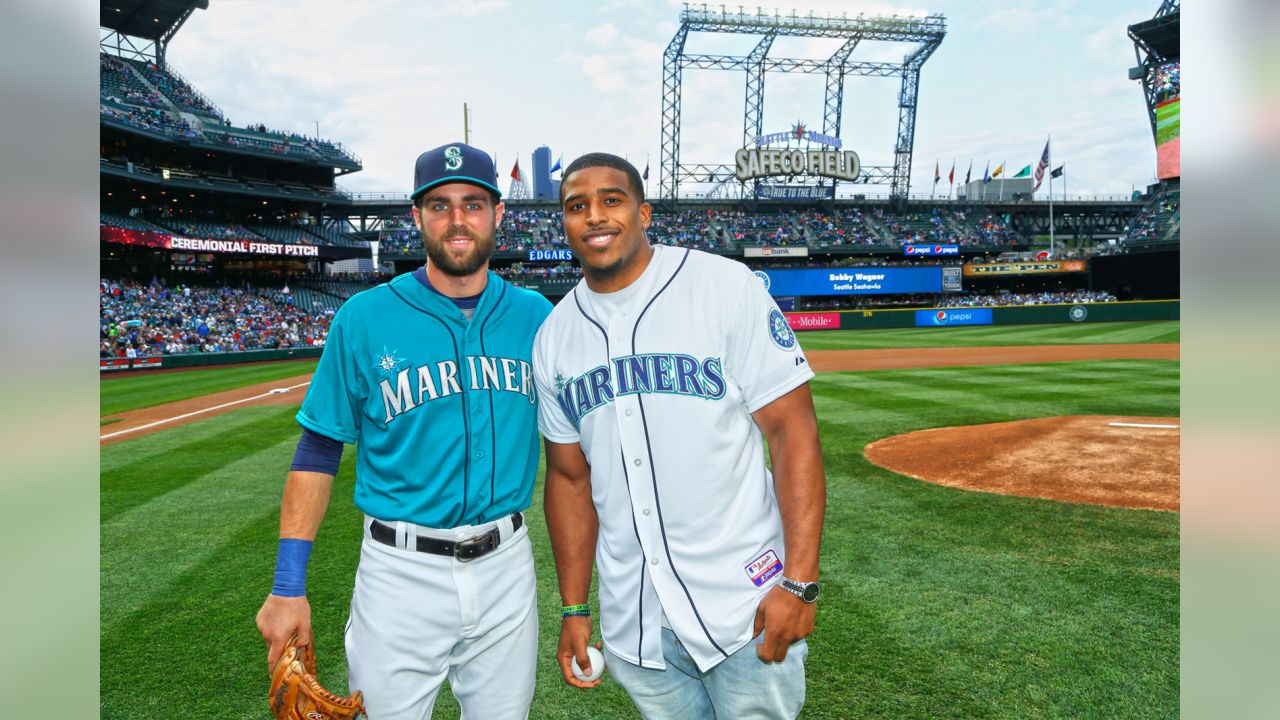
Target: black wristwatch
[[806, 591]]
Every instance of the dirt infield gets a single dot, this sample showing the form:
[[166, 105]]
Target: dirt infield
[[1084, 459]]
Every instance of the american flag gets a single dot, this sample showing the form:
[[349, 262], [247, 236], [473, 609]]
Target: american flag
[[1044, 163]]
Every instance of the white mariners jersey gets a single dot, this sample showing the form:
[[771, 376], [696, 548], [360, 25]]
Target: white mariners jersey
[[657, 383]]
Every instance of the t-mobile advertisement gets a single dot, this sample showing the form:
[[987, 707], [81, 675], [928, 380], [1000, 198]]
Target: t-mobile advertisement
[[813, 321]]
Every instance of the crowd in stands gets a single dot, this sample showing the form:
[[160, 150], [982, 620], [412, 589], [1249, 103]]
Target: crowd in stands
[[521, 271], [153, 119], [1168, 82], [1160, 219], [1046, 297], [159, 318], [156, 100], [727, 230], [951, 300]]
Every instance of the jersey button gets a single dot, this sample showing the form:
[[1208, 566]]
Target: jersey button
[[653, 561], [628, 412], [479, 454], [645, 512], [636, 462]]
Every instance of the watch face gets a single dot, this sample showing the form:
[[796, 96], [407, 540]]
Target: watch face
[[810, 592]]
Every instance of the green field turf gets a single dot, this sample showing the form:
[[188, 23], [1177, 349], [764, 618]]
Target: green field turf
[[937, 602], [141, 390], [1165, 331]]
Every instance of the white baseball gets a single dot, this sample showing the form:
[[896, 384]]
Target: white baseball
[[596, 658]]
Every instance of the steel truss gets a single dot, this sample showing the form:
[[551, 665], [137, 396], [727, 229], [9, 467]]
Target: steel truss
[[1170, 11], [925, 32]]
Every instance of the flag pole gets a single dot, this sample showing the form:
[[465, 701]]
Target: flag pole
[[1050, 168], [1003, 172]]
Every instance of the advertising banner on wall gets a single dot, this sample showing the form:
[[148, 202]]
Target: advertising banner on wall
[[809, 282], [953, 316], [143, 238], [813, 321], [1026, 268], [930, 249]]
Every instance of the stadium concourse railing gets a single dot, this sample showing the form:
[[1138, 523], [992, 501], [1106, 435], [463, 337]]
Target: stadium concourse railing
[[1134, 310]]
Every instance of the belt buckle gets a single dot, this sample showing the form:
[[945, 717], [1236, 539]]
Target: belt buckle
[[477, 546]]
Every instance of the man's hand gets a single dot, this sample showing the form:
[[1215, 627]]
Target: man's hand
[[784, 618], [575, 633], [279, 619]]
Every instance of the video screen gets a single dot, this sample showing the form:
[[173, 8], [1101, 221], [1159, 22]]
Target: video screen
[[1168, 90]]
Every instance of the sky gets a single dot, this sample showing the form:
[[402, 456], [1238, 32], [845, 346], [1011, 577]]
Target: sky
[[388, 79]]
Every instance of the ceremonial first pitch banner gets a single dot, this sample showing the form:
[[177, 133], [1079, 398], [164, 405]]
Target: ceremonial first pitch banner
[[851, 281], [144, 238]]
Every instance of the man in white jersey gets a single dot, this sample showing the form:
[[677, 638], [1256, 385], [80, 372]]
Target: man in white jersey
[[658, 376]]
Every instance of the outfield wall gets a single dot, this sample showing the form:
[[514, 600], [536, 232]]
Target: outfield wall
[[842, 320], [1138, 310], [168, 362]]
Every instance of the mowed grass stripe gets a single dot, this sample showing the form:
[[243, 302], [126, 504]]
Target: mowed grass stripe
[[967, 388], [992, 335], [134, 478], [146, 445], [117, 395], [146, 547], [937, 602], [211, 605]]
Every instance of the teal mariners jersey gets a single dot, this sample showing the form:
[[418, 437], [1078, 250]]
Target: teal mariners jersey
[[442, 410]]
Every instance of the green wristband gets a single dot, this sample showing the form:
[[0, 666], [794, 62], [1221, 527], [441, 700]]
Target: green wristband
[[575, 610]]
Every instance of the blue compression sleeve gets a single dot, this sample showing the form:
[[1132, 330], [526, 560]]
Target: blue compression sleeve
[[291, 568], [317, 453]]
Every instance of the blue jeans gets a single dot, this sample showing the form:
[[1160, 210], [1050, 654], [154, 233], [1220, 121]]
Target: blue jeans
[[739, 688]]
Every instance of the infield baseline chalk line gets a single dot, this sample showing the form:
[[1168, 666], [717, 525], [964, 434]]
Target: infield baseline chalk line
[[1145, 425], [275, 391]]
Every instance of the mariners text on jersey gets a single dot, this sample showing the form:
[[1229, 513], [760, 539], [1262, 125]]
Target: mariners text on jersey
[[651, 373], [415, 386]]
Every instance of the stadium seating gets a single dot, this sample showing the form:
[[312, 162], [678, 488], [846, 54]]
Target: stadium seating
[[159, 318], [1159, 221], [128, 223], [174, 88], [730, 230]]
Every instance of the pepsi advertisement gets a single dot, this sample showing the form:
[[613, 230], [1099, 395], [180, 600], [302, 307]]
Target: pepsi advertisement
[[953, 316], [851, 281], [930, 249]]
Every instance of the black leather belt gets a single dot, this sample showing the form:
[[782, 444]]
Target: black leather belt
[[469, 549]]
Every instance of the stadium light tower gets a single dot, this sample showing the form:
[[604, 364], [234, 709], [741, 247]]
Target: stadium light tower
[[925, 33]]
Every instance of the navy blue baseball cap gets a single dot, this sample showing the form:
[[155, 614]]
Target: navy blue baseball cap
[[455, 162]]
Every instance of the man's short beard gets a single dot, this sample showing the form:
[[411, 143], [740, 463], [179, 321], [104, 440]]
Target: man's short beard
[[442, 260]]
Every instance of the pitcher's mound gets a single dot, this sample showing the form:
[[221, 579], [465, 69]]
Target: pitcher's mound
[[1117, 461]]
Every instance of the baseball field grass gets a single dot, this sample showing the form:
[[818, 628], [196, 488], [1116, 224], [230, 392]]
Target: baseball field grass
[[937, 602]]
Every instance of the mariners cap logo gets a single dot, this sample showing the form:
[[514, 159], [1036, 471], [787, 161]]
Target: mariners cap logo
[[781, 332], [452, 158]]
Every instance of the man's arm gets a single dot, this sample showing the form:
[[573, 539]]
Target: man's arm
[[790, 426], [306, 497], [572, 525]]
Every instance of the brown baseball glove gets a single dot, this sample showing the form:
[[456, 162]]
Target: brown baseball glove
[[297, 695]]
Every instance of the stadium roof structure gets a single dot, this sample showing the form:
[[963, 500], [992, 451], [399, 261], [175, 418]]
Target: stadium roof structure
[[1156, 42], [922, 34], [154, 20], [1160, 35]]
